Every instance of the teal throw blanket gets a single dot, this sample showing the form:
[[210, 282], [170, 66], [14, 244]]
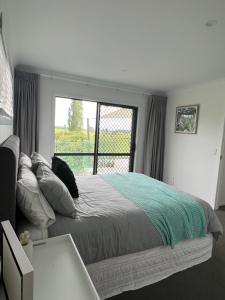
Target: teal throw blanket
[[175, 215]]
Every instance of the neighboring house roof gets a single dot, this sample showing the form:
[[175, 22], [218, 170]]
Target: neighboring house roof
[[121, 113]]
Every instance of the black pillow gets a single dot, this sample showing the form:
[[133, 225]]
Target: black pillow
[[64, 173]]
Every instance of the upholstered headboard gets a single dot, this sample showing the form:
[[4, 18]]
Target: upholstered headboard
[[9, 156]]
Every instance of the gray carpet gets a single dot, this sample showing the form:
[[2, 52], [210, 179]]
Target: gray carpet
[[202, 282]]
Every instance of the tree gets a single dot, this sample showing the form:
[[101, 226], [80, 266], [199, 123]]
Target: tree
[[75, 115]]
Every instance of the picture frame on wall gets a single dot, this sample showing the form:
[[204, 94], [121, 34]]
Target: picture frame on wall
[[186, 120]]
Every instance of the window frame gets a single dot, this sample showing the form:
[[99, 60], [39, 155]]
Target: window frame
[[96, 154]]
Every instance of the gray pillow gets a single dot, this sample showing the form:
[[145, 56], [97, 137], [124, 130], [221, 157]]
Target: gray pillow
[[31, 201], [36, 159], [55, 192], [24, 161]]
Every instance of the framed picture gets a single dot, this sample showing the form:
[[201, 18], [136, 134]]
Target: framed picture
[[187, 119]]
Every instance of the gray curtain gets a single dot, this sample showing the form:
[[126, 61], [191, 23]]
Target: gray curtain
[[155, 137], [26, 98]]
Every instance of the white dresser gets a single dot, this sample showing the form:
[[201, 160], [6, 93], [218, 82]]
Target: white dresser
[[59, 272]]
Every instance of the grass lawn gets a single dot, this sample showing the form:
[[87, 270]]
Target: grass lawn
[[80, 141]]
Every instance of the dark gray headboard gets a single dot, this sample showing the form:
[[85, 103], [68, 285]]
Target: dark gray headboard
[[9, 156]]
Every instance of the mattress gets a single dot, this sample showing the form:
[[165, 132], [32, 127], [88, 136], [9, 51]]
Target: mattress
[[133, 271]]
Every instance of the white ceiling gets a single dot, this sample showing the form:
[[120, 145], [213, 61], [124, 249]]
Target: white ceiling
[[156, 44]]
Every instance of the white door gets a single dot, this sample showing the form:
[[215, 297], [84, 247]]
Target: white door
[[220, 197]]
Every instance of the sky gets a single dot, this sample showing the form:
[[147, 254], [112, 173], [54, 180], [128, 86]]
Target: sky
[[61, 112], [89, 112]]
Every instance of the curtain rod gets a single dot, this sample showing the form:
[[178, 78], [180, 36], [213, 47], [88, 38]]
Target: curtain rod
[[89, 82]]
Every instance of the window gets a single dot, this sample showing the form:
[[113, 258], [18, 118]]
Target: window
[[95, 137]]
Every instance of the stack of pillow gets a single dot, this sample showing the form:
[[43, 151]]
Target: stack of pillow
[[42, 190]]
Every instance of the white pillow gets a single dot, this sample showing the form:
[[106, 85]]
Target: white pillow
[[31, 201], [24, 161]]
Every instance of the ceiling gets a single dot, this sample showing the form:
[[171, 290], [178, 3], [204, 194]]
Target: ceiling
[[154, 44]]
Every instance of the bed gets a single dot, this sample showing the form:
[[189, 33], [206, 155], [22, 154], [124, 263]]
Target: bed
[[121, 248]]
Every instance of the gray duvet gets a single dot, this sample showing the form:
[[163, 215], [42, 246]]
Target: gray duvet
[[109, 225]]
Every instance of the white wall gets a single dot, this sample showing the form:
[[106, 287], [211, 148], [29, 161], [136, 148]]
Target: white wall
[[50, 88], [192, 161]]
